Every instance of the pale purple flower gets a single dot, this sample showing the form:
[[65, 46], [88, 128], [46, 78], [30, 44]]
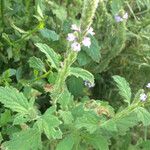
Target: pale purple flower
[[86, 42], [89, 84], [143, 97], [71, 37], [76, 46], [118, 18], [74, 27], [148, 85], [125, 16], [90, 31]]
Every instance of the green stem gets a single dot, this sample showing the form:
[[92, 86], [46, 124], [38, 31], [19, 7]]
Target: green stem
[[62, 75]]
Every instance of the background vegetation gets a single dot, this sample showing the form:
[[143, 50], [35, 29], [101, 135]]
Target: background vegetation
[[117, 49]]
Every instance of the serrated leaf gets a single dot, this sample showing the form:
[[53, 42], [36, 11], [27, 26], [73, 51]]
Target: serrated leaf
[[143, 115], [126, 122], [17, 102], [5, 117], [124, 88], [94, 50], [49, 124], [98, 142], [29, 139], [84, 74], [66, 117], [89, 121], [52, 57], [49, 34], [37, 63], [66, 143], [65, 98], [19, 119]]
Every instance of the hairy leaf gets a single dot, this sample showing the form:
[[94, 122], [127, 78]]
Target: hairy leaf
[[84, 74], [17, 102], [52, 57], [94, 50], [124, 88], [143, 115], [37, 63], [66, 143], [49, 124], [49, 34], [29, 139]]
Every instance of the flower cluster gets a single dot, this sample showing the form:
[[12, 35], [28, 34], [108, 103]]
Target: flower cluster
[[119, 18], [143, 96], [73, 37], [89, 84]]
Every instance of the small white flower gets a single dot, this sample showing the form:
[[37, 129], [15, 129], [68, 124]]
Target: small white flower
[[74, 27], [148, 85], [143, 97], [71, 37], [76, 46], [89, 84], [125, 16], [86, 42], [90, 31]]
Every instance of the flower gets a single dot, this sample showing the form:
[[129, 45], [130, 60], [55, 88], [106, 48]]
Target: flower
[[125, 16], [118, 18], [148, 85], [86, 42], [71, 37], [76, 46], [90, 31], [143, 97], [74, 27], [89, 84]]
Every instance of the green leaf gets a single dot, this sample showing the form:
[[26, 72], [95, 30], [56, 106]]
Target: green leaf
[[60, 12], [66, 117], [37, 63], [143, 115], [20, 119], [17, 102], [84, 74], [49, 34], [94, 50], [83, 58], [98, 142], [126, 122], [124, 88], [5, 117], [65, 99], [75, 86], [8, 73], [49, 124], [52, 57], [29, 139], [89, 121], [66, 144]]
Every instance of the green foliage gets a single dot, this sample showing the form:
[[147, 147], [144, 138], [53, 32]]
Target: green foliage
[[44, 103], [37, 64], [52, 57], [124, 89], [85, 75], [24, 140]]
